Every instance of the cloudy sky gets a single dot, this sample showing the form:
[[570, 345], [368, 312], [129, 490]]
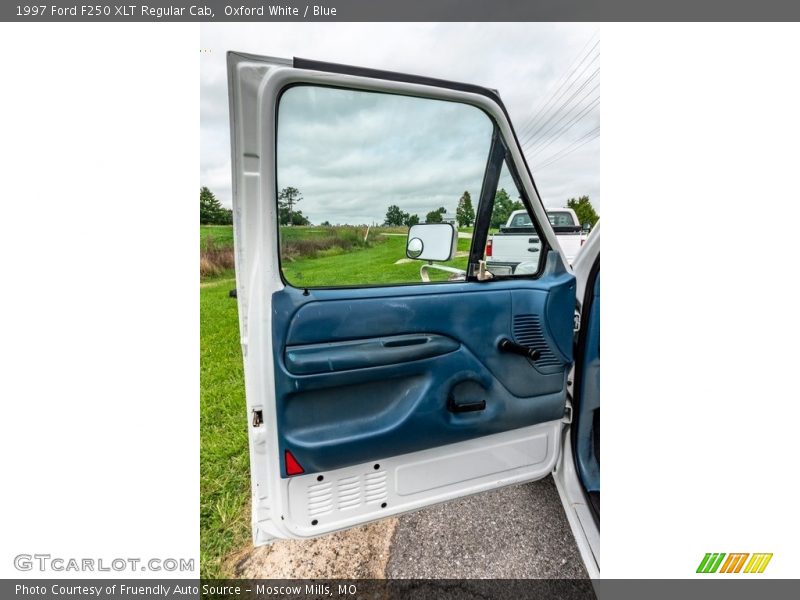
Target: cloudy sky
[[353, 153]]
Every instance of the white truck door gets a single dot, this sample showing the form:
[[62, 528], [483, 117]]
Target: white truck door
[[370, 400]]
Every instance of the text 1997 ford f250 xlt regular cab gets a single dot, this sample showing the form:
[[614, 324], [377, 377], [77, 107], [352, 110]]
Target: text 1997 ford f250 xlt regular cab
[[371, 398], [517, 243]]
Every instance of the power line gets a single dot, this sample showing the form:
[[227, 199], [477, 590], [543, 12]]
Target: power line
[[544, 166], [542, 139], [570, 71], [542, 116], [542, 133], [557, 95], [532, 136], [558, 115], [594, 134], [569, 125], [571, 147]]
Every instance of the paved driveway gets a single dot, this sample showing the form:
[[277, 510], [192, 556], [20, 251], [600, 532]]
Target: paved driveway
[[516, 532]]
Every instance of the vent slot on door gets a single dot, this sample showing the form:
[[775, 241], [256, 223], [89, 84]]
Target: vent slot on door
[[346, 493], [528, 332]]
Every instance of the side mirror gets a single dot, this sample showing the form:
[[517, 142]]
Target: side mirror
[[587, 226], [432, 241]]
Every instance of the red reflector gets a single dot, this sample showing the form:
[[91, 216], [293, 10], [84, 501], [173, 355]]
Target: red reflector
[[489, 248], [292, 466]]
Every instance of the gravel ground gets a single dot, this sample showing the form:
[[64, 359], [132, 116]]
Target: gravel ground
[[358, 553], [515, 532]]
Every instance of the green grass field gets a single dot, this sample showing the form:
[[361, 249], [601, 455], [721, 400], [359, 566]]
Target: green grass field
[[376, 266], [309, 261], [220, 234], [224, 460]]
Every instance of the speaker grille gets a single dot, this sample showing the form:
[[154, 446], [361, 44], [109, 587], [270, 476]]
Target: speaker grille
[[528, 332], [349, 492]]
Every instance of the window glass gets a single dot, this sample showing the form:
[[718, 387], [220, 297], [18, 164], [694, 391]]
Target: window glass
[[513, 247], [559, 218], [355, 169], [522, 220]]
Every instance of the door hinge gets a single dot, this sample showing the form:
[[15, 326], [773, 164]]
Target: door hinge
[[576, 321]]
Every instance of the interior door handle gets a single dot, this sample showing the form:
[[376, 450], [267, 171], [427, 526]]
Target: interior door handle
[[506, 345], [467, 407]]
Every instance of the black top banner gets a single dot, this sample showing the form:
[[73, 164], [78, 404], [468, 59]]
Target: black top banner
[[406, 10]]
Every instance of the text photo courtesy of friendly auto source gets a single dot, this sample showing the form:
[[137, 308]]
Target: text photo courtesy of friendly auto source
[[399, 300]]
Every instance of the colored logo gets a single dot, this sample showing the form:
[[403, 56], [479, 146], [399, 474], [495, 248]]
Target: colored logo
[[734, 563]]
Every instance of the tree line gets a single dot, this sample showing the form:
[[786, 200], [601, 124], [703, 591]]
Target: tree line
[[501, 211], [584, 209], [465, 214], [213, 213]]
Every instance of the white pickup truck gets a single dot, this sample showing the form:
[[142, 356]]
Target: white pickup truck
[[517, 241]]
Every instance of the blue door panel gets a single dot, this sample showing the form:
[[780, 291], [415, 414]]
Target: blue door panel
[[589, 401], [367, 373]]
